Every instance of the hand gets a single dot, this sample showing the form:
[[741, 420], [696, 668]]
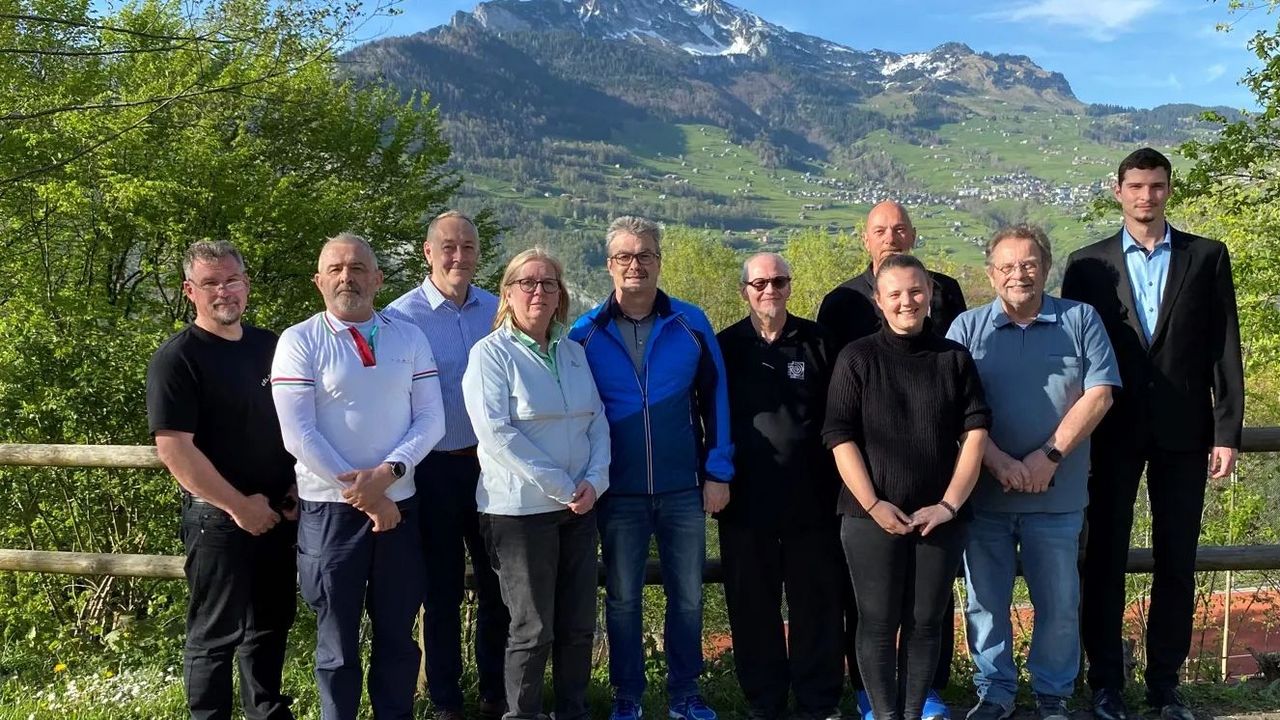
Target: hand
[[929, 517], [1222, 460], [384, 514], [715, 495], [584, 498], [1041, 470], [292, 513], [888, 516], [365, 487], [255, 515], [1012, 474]]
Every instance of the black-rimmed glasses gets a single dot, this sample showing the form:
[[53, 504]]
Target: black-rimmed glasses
[[779, 283]]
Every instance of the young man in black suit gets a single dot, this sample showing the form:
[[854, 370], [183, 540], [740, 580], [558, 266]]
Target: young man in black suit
[[1168, 303]]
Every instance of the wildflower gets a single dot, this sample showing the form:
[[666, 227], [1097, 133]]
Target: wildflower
[[60, 667]]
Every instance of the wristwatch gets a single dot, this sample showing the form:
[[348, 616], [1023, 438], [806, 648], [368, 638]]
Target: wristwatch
[[1051, 452], [398, 469]]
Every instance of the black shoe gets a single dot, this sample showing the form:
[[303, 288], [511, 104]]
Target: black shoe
[[1170, 704], [1109, 705], [491, 709], [986, 710]]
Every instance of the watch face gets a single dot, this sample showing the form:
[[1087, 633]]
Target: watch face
[[398, 469]]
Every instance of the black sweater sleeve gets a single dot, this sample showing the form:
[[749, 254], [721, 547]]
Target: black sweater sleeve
[[844, 402]]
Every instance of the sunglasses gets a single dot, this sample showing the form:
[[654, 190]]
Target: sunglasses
[[779, 283]]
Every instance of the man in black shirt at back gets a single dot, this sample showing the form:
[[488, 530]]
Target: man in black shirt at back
[[209, 407], [780, 528], [849, 312]]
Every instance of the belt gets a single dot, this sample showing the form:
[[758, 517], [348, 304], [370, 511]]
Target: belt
[[197, 501], [469, 451]]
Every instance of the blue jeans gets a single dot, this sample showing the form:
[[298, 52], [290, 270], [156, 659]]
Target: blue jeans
[[1048, 545], [627, 522]]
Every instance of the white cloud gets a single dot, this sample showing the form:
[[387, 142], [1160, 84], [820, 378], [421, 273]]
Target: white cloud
[[1213, 72], [1102, 20]]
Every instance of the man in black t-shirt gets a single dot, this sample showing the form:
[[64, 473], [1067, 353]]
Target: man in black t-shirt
[[780, 528], [210, 410], [849, 312]]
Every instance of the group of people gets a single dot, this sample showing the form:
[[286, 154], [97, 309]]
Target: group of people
[[857, 463]]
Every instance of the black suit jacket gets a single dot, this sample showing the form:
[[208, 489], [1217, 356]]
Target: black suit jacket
[[849, 312], [1183, 391]]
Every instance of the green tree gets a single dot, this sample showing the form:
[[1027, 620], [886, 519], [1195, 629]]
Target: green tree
[[819, 262], [125, 138], [698, 268]]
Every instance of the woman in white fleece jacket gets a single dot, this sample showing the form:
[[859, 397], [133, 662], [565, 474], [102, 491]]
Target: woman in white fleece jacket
[[544, 461]]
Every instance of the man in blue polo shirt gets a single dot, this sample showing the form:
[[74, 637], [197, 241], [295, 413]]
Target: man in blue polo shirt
[[1048, 370]]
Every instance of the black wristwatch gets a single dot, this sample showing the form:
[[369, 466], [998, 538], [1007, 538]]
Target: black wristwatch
[[1051, 452], [398, 469]]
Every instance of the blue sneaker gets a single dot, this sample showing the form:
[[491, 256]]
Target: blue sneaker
[[625, 710], [864, 706], [692, 707], [934, 708]]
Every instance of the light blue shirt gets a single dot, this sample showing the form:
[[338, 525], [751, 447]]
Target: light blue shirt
[[1032, 376], [1147, 274], [452, 331]]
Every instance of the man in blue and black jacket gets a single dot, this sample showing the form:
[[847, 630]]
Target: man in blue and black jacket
[[658, 368]]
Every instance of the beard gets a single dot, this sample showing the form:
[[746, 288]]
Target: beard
[[771, 312], [226, 314]]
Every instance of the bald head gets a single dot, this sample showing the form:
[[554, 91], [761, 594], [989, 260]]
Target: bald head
[[888, 232]]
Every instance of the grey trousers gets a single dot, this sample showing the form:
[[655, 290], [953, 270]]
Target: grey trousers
[[547, 570]]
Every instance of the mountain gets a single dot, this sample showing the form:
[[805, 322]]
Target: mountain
[[563, 113]]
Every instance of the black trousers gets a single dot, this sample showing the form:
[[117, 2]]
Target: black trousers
[[941, 673], [902, 584], [345, 570], [450, 531], [241, 602], [1175, 489], [758, 564], [547, 568]]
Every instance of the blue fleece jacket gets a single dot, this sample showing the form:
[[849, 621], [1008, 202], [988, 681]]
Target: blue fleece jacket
[[669, 421]]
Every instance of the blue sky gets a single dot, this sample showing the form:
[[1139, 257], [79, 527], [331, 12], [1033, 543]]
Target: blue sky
[[1127, 52]]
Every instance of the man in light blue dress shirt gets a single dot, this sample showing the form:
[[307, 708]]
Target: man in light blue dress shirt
[[454, 314], [1148, 271]]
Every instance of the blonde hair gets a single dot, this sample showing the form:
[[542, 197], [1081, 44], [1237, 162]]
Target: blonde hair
[[521, 259]]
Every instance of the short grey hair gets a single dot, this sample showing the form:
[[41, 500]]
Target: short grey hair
[[350, 238], [643, 228], [781, 261], [1023, 231], [431, 227], [209, 251]]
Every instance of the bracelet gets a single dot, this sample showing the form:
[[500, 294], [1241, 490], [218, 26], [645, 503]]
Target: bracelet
[[949, 507], [873, 506]]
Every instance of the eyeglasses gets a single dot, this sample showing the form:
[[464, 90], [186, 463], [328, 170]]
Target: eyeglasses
[[528, 285], [228, 286], [1030, 267], [644, 258], [779, 283]]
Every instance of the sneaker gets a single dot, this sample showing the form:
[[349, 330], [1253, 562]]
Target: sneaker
[[1052, 707], [986, 710], [1171, 704], [934, 708], [864, 706], [1109, 705], [692, 707], [625, 710]]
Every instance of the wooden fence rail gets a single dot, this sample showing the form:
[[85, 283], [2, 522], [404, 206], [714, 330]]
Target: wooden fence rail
[[1229, 557]]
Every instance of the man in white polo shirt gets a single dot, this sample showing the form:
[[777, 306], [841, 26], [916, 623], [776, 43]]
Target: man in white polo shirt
[[359, 403]]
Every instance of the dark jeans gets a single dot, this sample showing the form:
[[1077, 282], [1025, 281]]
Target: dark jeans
[[627, 523], [941, 673], [758, 564], [344, 569], [450, 531], [547, 568], [241, 602], [1175, 488], [902, 584]]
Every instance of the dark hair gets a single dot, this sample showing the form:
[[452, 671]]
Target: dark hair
[[1144, 159], [901, 260]]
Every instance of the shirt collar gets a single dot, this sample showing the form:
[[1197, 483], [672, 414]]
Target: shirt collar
[[1131, 245], [336, 326], [1048, 312], [557, 333], [435, 298]]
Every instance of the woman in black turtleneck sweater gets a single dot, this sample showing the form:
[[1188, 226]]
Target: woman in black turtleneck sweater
[[907, 422]]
